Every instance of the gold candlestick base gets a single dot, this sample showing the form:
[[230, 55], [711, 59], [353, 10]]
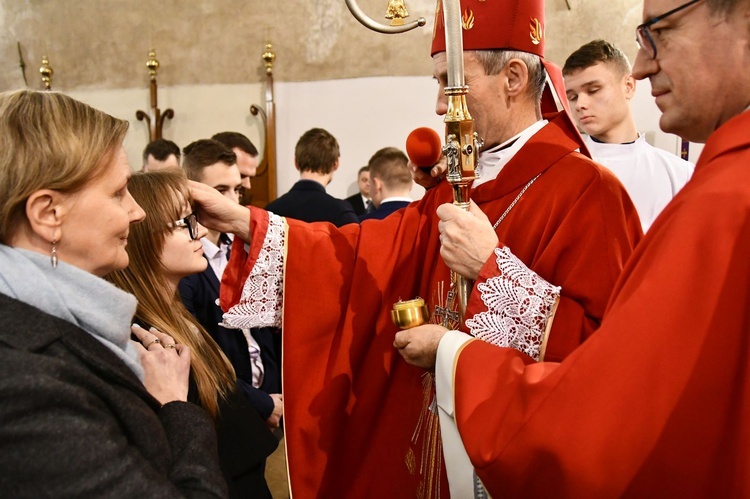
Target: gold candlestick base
[[409, 314]]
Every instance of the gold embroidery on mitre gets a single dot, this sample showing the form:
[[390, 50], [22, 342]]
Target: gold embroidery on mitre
[[438, 19], [537, 31], [467, 20]]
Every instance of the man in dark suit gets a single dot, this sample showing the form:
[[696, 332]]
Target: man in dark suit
[[390, 182], [361, 201], [246, 152], [254, 356], [316, 156]]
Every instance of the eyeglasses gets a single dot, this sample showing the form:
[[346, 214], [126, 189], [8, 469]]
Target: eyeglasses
[[643, 34], [191, 222]]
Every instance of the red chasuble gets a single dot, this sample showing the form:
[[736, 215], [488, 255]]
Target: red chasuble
[[352, 406], [657, 402]]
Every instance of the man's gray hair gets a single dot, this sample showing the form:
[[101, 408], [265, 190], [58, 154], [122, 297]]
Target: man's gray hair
[[493, 61]]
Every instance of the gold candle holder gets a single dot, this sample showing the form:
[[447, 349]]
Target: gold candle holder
[[409, 314]]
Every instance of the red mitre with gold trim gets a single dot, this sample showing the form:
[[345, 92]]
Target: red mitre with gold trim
[[510, 25], [496, 24]]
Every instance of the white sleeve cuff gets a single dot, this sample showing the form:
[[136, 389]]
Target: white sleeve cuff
[[448, 348], [458, 467], [262, 293], [520, 306]]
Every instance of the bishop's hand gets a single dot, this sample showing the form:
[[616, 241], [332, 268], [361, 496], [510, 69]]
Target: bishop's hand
[[219, 213], [428, 177], [418, 345], [467, 239]]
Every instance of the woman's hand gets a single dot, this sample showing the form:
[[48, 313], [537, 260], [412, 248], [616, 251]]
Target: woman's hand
[[274, 420], [220, 213], [166, 365]]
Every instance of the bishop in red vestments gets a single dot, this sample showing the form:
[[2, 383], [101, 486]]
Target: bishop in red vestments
[[657, 402]]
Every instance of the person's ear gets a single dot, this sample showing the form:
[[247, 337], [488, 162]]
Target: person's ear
[[335, 166], [516, 77], [45, 210], [629, 86]]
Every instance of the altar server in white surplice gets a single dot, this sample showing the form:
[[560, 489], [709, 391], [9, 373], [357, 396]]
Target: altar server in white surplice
[[599, 87]]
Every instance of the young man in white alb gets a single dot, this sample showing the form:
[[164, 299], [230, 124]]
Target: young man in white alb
[[599, 87]]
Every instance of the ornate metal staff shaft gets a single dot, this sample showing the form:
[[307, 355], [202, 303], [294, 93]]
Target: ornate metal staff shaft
[[461, 142]]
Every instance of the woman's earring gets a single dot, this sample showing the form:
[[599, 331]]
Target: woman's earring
[[53, 255]]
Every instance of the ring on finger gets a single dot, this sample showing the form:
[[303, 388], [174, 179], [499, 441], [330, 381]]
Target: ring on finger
[[155, 340], [170, 345]]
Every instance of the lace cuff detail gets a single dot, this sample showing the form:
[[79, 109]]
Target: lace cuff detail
[[262, 294], [519, 305]]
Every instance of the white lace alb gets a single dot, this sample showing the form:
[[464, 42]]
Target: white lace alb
[[519, 304], [262, 293]]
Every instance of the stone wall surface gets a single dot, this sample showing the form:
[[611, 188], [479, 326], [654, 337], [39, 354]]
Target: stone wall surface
[[103, 44]]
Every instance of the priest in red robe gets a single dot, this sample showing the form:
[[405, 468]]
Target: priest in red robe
[[657, 402], [357, 418]]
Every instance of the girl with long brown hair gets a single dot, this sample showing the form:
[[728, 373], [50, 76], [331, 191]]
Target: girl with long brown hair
[[164, 248]]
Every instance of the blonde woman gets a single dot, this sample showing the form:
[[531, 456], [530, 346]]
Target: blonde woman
[[163, 249], [84, 411]]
